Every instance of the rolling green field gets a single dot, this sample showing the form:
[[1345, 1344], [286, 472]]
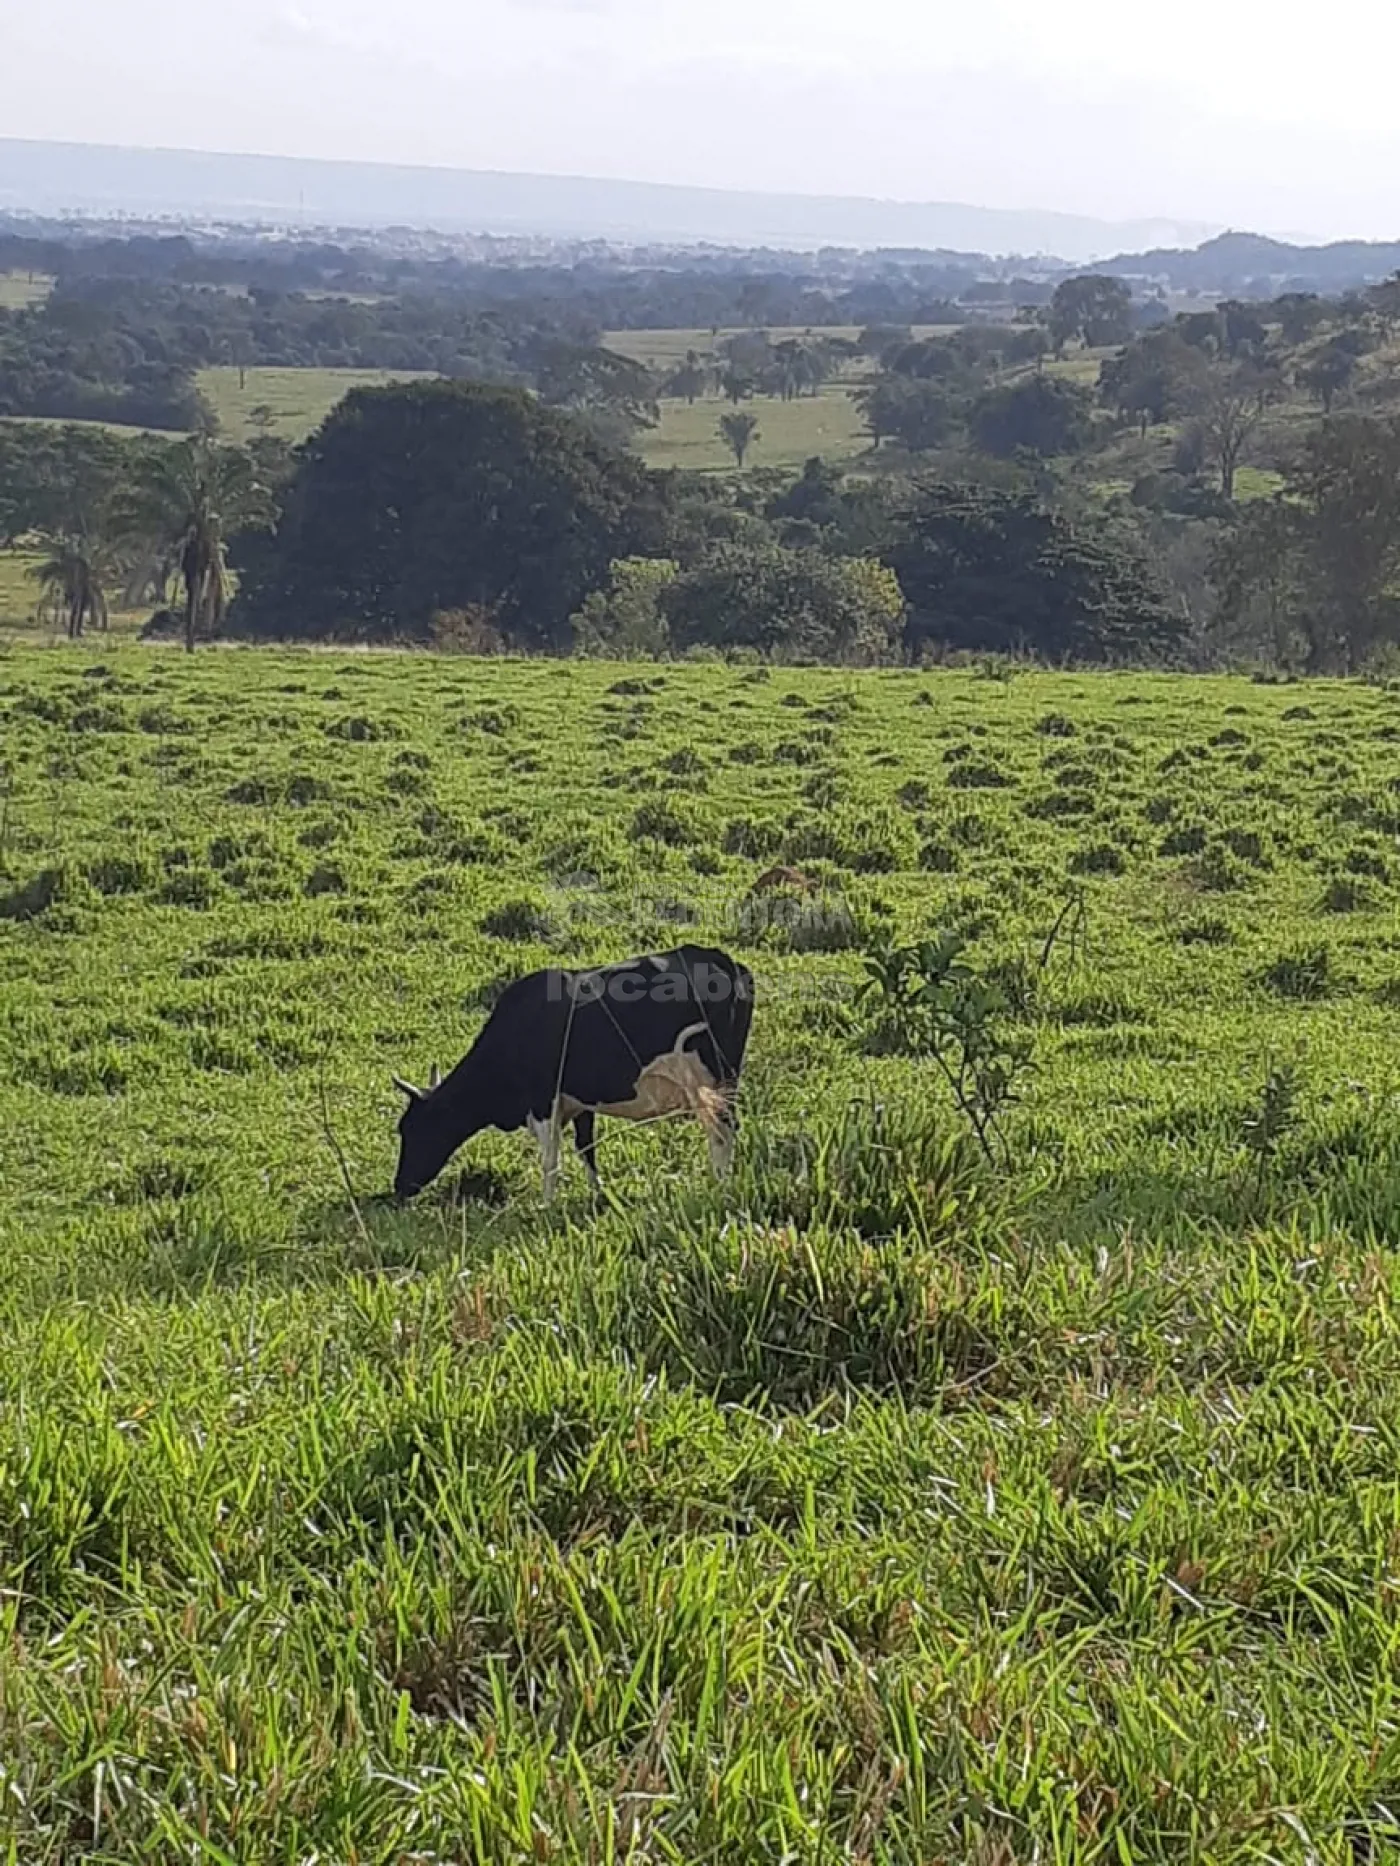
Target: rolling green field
[[298, 399], [666, 349], [18, 291], [789, 433], [876, 1507], [19, 593]]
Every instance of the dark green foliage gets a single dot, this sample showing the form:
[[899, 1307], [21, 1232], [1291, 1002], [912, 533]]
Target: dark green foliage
[[928, 1001], [423, 498], [1039, 416], [790, 604], [986, 569], [1303, 975], [519, 920]]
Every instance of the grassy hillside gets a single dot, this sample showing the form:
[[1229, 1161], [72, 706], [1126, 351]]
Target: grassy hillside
[[297, 400], [880, 1507], [689, 435], [18, 290]]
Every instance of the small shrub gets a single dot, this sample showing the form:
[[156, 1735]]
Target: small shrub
[[37, 895], [658, 821], [684, 763], [359, 729], [1099, 858], [120, 874], [1347, 894], [1208, 930], [1057, 805], [1303, 976], [1220, 870], [977, 774], [189, 887], [751, 836], [1185, 839], [1056, 726], [325, 878], [518, 920]]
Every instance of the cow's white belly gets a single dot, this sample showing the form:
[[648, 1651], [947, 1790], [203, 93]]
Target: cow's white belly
[[677, 1083]]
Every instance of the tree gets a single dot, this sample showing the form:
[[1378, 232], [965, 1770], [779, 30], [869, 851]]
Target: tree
[[1241, 329], [739, 432], [626, 620], [1384, 300], [73, 573], [614, 395], [1228, 404], [1328, 374], [1150, 379], [1298, 314], [918, 413], [184, 505], [689, 380], [429, 497], [1319, 562], [1347, 482], [986, 569], [1255, 569], [1096, 309], [60, 481], [792, 605], [1038, 415]]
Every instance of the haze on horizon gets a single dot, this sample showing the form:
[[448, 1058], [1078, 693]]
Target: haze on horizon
[[1199, 111]]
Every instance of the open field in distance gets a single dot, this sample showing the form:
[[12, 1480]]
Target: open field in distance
[[297, 400], [789, 433], [18, 291], [879, 1506]]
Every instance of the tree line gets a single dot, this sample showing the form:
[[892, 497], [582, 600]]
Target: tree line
[[484, 514]]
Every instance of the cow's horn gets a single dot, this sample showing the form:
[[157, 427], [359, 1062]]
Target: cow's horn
[[407, 1088]]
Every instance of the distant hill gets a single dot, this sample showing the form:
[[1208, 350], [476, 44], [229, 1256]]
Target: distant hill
[[55, 178], [1250, 265]]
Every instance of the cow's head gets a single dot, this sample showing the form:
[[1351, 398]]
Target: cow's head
[[428, 1136]]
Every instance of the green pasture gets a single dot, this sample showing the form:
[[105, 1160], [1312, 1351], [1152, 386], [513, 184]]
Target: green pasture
[[879, 1506], [297, 400], [18, 290], [789, 433]]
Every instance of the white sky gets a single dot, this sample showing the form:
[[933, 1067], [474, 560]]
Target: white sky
[[1269, 114]]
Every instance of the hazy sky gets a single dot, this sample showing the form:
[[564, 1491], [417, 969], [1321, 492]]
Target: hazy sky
[[1259, 113]]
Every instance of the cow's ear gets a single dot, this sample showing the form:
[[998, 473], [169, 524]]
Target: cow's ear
[[434, 1079], [407, 1088]]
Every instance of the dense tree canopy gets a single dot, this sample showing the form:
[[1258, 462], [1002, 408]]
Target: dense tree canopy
[[1035, 415], [794, 605], [432, 497], [987, 569]]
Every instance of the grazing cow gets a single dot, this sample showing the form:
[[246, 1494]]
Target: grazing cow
[[656, 1036]]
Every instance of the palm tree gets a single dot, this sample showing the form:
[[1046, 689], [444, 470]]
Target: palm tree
[[72, 577], [183, 505], [740, 431]]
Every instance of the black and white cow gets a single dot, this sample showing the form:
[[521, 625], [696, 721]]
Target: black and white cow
[[652, 1037]]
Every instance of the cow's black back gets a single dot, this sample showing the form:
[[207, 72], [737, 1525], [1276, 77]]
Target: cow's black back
[[581, 1037], [588, 1035]]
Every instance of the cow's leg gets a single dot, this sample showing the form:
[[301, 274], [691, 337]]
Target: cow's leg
[[586, 1140], [546, 1135], [721, 1136]]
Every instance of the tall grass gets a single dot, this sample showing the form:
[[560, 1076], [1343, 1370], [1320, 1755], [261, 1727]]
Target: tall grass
[[879, 1506]]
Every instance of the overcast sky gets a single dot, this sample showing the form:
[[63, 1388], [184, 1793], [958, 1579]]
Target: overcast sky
[[1250, 113]]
